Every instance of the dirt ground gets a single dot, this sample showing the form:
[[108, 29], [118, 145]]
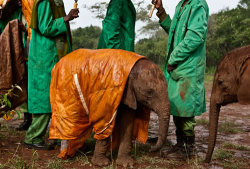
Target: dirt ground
[[232, 146]]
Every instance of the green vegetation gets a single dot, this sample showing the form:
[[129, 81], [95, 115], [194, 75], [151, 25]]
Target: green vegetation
[[203, 122], [154, 48], [222, 154], [56, 164], [228, 161], [235, 146], [228, 30], [235, 164], [229, 128], [86, 37]]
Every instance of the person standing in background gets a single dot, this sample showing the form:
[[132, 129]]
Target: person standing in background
[[118, 26], [185, 70], [50, 41]]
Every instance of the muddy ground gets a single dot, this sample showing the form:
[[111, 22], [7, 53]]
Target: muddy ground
[[232, 146]]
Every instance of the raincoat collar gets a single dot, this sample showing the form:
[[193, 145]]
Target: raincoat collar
[[183, 9]]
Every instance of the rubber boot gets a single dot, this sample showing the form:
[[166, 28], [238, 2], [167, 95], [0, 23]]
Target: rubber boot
[[26, 122], [190, 146], [177, 151]]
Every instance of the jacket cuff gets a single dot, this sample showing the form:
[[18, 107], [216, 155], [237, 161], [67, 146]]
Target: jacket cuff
[[161, 13]]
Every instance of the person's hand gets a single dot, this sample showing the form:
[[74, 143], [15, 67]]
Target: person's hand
[[171, 68], [19, 3], [157, 3], [72, 15]]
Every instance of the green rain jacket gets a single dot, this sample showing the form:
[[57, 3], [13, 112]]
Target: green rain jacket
[[50, 40], [118, 27], [186, 49]]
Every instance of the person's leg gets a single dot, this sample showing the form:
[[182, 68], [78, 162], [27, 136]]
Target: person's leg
[[189, 124], [176, 151], [179, 133], [36, 131], [27, 117]]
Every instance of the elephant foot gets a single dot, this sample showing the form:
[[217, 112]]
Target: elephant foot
[[125, 161], [100, 161]]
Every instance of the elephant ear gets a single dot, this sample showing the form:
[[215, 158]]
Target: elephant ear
[[244, 83], [129, 98]]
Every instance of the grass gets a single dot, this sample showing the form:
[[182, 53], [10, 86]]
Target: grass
[[228, 160], [55, 164], [154, 167], [211, 70], [34, 159], [83, 159], [222, 154], [235, 164], [16, 162], [209, 78], [7, 131], [203, 122], [151, 160], [110, 167], [229, 128], [235, 146]]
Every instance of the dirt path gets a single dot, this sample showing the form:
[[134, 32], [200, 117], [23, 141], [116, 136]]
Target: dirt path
[[232, 146]]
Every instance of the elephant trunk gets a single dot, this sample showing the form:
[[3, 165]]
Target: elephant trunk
[[164, 117], [213, 126]]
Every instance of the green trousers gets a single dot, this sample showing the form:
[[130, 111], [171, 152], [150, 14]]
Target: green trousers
[[185, 124], [37, 129]]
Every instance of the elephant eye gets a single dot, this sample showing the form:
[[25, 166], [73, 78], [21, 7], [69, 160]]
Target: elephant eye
[[220, 81], [150, 93]]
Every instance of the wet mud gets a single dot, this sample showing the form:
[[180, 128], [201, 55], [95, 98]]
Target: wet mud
[[234, 130]]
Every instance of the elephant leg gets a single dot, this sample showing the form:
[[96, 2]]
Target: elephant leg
[[99, 158], [126, 129]]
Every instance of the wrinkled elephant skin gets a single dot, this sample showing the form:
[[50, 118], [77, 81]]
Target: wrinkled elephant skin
[[231, 84]]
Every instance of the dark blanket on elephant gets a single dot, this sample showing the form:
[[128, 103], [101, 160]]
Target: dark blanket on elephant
[[12, 65]]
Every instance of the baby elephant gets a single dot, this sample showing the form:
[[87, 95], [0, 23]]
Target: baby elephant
[[106, 91], [231, 84]]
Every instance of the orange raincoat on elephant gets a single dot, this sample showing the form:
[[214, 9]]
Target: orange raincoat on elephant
[[86, 89]]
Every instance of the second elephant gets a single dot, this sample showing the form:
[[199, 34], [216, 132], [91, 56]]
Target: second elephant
[[231, 84], [98, 90]]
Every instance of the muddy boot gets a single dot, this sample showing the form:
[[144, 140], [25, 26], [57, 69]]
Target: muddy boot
[[190, 146], [99, 158], [26, 122], [176, 151]]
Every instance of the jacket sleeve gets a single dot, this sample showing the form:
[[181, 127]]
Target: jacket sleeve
[[111, 24], [195, 35], [166, 23], [46, 24]]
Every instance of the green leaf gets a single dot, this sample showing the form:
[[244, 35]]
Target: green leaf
[[5, 98], [9, 103], [18, 113]]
